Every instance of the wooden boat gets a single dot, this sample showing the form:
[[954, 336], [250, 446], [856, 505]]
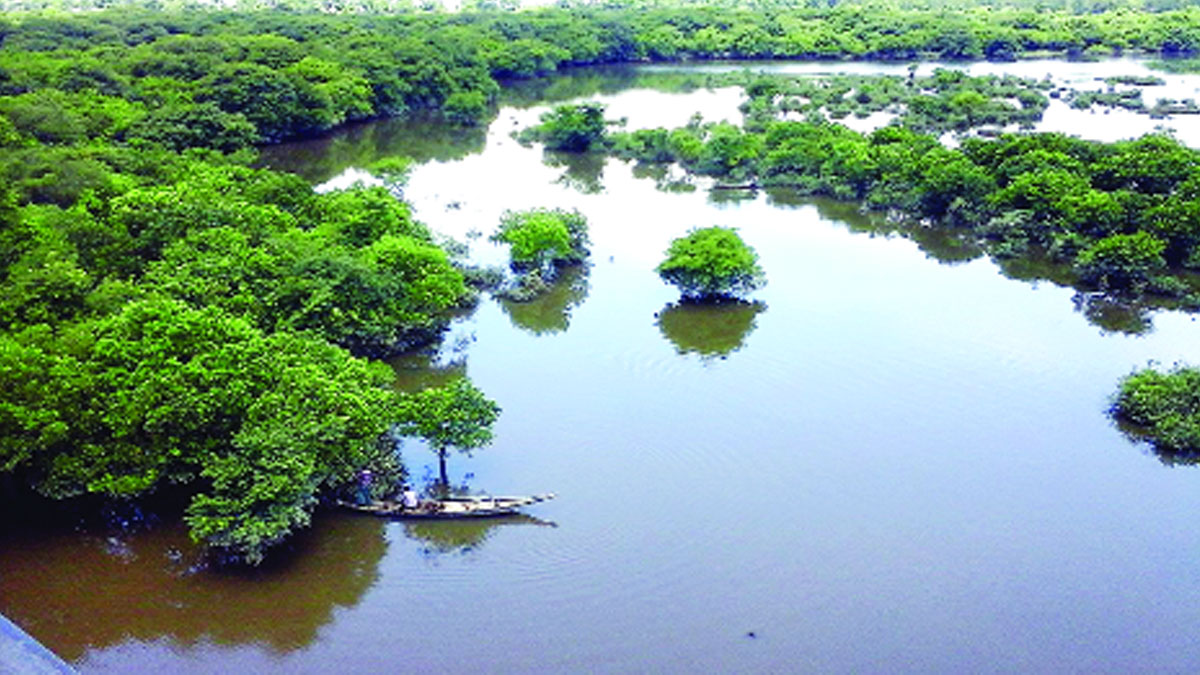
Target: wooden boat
[[449, 507]]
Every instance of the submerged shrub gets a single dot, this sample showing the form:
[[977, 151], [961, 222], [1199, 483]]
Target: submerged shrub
[[542, 239], [1166, 409], [572, 128], [712, 263], [1122, 261]]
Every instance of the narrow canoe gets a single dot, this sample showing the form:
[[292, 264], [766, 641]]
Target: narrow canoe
[[449, 507]]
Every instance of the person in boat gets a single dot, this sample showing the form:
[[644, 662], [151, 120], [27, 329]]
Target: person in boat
[[409, 499], [365, 478]]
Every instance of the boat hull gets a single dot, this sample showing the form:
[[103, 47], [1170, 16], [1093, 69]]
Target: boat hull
[[449, 508]]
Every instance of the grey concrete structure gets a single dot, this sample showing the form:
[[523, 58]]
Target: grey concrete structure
[[20, 654]]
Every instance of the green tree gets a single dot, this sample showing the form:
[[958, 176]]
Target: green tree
[[728, 150], [466, 107], [1122, 262], [202, 125], [457, 415], [1165, 409], [573, 128], [712, 263], [160, 394], [541, 239]]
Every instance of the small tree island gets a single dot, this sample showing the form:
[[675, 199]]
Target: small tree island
[[1163, 409], [541, 243], [569, 128], [712, 264]]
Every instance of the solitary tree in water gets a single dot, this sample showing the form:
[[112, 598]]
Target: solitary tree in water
[[543, 239], [712, 263], [457, 415], [573, 128]]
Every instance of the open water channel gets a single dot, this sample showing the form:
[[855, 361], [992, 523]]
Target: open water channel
[[885, 463]]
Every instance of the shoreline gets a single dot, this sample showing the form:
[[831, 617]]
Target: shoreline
[[21, 654]]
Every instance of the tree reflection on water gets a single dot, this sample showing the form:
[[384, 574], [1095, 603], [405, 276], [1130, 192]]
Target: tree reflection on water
[[77, 594], [584, 171], [550, 312], [1114, 315], [461, 536], [712, 330]]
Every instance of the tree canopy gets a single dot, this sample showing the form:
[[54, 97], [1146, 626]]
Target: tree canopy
[[571, 128], [160, 393], [1163, 408], [172, 316], [543, 238], [712, 263], [455, 415]]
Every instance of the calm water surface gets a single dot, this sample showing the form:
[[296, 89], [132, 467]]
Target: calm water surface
[[884, 463]]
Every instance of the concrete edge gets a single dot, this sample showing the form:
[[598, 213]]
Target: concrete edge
[[20, 654]]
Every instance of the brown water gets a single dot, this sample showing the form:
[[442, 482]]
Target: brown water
[[885, 463]]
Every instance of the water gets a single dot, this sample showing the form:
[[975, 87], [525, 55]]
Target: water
[[885, 464]]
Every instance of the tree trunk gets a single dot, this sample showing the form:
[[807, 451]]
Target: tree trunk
[[442, 467]]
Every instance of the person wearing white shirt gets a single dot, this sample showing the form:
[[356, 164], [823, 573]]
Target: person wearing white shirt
[[410, 500]]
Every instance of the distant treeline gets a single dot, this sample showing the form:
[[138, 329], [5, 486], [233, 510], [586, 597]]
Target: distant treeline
[[412, 6], [221, 79]]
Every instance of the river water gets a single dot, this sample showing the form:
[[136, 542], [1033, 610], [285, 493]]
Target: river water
[[893, 459]]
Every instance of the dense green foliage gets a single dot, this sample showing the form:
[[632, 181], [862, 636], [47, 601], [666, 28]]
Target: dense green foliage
[[1165, 408], [572, 128], [543, 238], [711, 263], [1122, 261], [176, 324], [160, 393], [213, 79], [171, 316], [542, 244], [1123, 214], [181, 319]]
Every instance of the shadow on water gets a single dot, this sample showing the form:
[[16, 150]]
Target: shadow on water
[[721, 198], [358, 145], [550, 312], [665, 179], [569, 84], [950, 245], [1113, 315], [77, 593], [422, 369], [1141, 436], [946, 245], [711, 330], [449, 537], [584, 170]]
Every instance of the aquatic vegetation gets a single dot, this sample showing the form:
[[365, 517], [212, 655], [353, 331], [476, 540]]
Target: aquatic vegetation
[[712, 263], [1018, 194], [1164, 409], [571, 128], [173, 316], [542, 243], [456, 415], [947, 100], [543, 238]]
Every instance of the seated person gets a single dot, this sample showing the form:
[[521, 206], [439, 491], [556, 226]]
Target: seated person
[[409, 500]]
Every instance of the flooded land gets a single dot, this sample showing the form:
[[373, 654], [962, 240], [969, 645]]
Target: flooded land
[[892, 457]]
